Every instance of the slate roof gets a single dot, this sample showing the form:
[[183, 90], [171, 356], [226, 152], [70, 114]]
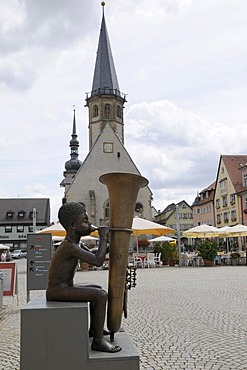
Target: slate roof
[[104, 73], [16, 205], [199, 200]]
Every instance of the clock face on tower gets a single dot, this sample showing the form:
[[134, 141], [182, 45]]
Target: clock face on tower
[[108, 147]]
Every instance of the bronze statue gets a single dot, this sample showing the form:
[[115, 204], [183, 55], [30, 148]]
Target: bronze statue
[[73, 217]]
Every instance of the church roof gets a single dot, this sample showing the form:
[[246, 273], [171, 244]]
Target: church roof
[[105, 77]]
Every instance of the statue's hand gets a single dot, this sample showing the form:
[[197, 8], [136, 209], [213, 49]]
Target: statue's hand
[[103, 232]]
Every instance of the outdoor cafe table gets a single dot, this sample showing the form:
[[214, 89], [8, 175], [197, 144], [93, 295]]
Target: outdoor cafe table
[[197, 260], [142, 257]]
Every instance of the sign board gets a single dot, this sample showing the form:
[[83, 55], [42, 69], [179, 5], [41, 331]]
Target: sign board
[[8, 270], [39, 254]]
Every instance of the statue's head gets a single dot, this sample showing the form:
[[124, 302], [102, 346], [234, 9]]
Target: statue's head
[[69, 212]]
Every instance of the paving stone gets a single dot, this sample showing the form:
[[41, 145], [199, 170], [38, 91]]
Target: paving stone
[[178, 318]]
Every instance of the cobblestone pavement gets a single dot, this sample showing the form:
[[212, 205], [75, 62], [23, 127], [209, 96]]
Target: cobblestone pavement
[[178, 318]]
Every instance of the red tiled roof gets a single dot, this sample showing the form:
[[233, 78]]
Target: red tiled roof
[[233, 164]]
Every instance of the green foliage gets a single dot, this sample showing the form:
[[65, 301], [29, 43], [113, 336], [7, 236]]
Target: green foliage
[[208, 249], [168, 251]]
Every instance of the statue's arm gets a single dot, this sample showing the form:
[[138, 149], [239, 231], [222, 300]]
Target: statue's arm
[[98, 258]]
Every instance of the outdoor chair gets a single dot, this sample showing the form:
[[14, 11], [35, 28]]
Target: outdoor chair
[[149, 260], [187, 260], [137, 261], [157, 260]]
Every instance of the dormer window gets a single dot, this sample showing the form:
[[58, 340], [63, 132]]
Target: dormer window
[[10, 214], [21, 214], [31, 214]]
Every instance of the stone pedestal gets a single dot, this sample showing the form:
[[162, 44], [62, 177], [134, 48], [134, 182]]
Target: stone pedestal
[[54, 336]]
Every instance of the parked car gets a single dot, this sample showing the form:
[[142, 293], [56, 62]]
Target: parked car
[[19, 253]]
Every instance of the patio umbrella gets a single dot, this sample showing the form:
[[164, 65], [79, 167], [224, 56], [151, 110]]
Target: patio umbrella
[[141, 226], [223, 231], [54, 230], [201, 231], [237, 230], [162, 239]]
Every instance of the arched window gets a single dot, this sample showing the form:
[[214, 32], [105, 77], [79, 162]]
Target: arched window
[[95, 111], [119, 112], [138, 207], [107, 110]]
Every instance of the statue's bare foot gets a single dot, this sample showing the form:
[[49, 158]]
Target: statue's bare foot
[[105, 332], [104, 346]]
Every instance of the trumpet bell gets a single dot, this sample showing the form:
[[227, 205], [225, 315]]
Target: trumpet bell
[[123, 190]]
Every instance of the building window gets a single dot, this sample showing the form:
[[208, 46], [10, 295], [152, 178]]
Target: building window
[[217, 203], [119, 112], [21, 214], [218, 219], [232, 198], [10, 214], [224, 201], [138, 207], [8, 228], [20, 228], [30, 229], [107, 110], [95, 111], [107, 211], [223, 186], [245, 179], [233, 215], [225, 216], [31, 214]]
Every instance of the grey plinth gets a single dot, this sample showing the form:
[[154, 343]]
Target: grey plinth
[[54, 336]]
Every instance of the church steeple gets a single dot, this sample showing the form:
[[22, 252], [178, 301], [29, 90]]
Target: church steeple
[[74, 163], [105, 102], [105, 76]]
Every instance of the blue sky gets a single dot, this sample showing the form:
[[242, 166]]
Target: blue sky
[[181, 62]]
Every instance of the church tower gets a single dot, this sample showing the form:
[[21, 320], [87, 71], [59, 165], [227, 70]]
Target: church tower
[[105, 102], [106, 142], [73, 164]]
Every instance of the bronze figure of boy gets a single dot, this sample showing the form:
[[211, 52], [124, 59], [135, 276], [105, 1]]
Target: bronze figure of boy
[[74, 219]]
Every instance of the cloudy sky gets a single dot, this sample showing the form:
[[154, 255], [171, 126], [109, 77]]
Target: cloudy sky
[[181, 62]]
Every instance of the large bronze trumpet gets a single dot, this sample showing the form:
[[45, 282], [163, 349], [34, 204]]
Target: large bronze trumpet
[[123, 189]]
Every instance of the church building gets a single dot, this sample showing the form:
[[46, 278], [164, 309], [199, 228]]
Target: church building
[[106, 143]]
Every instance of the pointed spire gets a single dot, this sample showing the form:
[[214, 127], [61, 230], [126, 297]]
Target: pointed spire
[[105, 76], [74, 163]]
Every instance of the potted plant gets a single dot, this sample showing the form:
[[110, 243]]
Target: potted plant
[[169, 254], [208, 250]]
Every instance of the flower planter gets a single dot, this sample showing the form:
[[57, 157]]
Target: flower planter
[[171, 263], [208, 263]]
